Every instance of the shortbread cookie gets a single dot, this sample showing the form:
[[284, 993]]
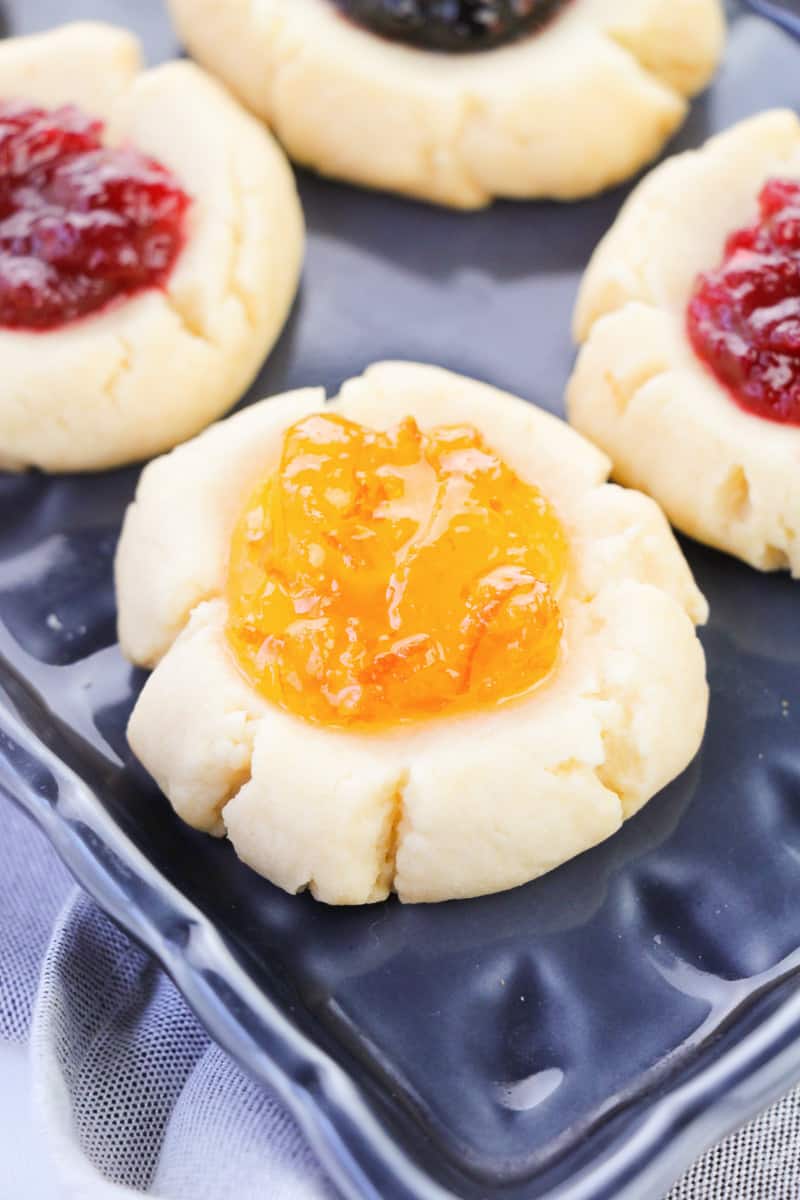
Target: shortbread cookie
[[561, 100], [150, 246], [410, 640], [689, 376]]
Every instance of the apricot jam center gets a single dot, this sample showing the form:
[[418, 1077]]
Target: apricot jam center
[[381, 577]]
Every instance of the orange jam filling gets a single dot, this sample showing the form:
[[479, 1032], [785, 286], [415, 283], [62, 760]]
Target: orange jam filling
[[380, 577]]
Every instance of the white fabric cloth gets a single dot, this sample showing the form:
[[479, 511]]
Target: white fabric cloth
[[134, 1098]]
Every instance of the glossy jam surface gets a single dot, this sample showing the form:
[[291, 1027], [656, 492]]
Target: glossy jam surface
[[451, 25], [80, 223], [381, 577], [744, 318]]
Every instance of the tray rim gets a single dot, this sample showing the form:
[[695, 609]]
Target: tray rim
[[354, 1148]]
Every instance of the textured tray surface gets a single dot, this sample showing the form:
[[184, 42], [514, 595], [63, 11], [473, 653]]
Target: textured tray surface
[[547, 1038]]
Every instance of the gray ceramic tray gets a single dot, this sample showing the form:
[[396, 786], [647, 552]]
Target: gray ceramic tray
[[584, 1036]]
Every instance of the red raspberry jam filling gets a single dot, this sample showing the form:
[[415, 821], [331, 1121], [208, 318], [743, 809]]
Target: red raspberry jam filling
[[744, 317], [81, 224]]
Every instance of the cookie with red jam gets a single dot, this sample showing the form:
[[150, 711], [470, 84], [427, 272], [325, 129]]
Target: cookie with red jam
[[150, 245], [689, 319]]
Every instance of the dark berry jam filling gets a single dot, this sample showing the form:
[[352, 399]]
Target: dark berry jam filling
[[451, 25], [81, 224], [744, 318]]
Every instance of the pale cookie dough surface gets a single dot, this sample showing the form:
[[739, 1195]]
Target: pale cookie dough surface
[[136, 378], [723, 475], [451, 807], [563, 113]]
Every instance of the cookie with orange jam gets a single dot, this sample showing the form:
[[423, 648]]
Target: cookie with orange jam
[[144, 273], [689, 315], [408, 640]]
